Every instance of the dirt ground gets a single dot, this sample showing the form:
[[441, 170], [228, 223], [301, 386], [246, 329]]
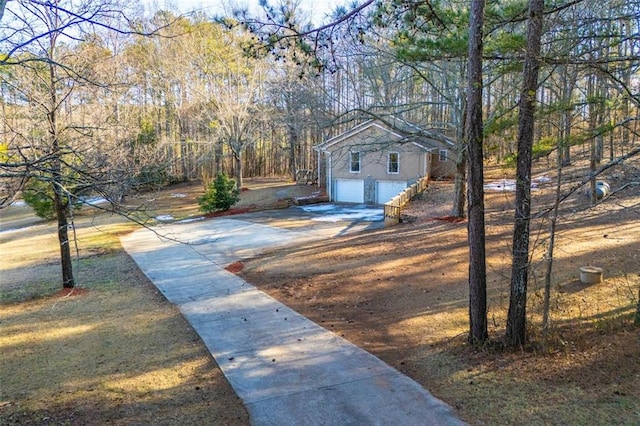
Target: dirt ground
[[401, 293]]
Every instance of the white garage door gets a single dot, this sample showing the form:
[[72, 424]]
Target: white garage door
[[387, 189], [349, 190]]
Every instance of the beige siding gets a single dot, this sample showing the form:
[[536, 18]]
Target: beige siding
[[446, 169], [374, 141], [374, 146]]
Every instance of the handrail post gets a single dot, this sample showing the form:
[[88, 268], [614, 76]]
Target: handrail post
[[393, 207]]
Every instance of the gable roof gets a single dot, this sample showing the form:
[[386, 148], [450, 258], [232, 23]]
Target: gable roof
[[405, 132]]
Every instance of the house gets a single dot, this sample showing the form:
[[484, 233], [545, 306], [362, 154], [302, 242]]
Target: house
[[374, 161]]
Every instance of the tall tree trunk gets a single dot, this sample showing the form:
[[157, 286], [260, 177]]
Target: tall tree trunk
[[516, 319], [473, 130], [459, 115], [459, 183], [184, 154], [60, 205], [293, 144], [60, 200], [569, 81], [593, 156], [552, 238], [237, 156], [218, 152]]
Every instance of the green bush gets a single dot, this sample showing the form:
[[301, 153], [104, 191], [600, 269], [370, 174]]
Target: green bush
[[509, 160], [220, 195], [152, 178], [544, 147], [39, 196]]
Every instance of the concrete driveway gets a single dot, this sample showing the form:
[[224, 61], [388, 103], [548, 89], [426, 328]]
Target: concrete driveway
[[228, 239], [326, 219], [286, 369]]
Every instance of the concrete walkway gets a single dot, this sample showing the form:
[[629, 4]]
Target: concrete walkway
[[286, 369]]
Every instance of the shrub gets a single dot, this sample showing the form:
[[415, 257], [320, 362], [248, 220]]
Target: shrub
[[543, 147], [220, 195], [39, 196], [152, 178], [509, 160]]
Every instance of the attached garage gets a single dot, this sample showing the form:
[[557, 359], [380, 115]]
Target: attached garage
[[349, 190], [387, 189]]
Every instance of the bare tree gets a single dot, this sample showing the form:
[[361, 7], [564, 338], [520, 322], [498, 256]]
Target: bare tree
[[17, 30], [49, 141], [237, 111]]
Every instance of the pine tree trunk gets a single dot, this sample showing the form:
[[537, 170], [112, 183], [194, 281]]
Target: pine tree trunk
[[516, 319], [475, 175], [459, 184], [218, 153], [184, 159], [60, 204], [293, 143]]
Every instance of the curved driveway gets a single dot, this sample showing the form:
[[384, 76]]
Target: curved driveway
[[286, 369]]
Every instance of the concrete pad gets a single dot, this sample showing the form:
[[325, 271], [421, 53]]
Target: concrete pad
[[390, 399], [224, 241], [243, 305], [198, 283], [296, 367], [286, 369]]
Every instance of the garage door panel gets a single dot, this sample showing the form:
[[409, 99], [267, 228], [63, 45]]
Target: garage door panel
[[349, 190], [387, 189]]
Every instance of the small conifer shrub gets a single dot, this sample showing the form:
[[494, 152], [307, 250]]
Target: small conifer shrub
[[220, 195]]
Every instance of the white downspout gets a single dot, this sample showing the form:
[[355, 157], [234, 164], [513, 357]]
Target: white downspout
[[427, 165], [319, 168], [329, 173]]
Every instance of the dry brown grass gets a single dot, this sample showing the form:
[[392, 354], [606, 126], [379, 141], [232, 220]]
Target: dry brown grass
[[113, 351], [119, 353]]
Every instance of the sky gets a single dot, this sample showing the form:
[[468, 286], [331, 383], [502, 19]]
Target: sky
[[317, 9]]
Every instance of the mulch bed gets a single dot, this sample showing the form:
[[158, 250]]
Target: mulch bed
[[450, 219], [68, 292], [230, 212], [234, 267]]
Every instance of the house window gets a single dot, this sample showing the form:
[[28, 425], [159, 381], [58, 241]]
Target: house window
[[393, 162], [354, 163], [443, 156]]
